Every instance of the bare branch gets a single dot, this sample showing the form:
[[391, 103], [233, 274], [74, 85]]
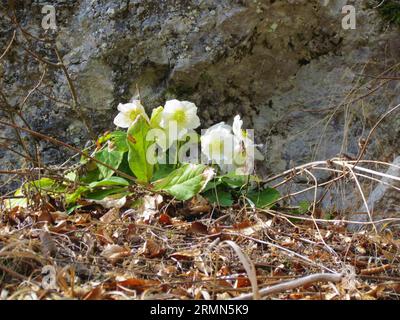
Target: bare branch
[[289, 285]]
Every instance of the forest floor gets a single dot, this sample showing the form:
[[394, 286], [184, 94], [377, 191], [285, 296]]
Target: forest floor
[[191, 250]]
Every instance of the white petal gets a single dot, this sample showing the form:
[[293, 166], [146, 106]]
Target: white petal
[[181, 133], [190, 107], [190, 120], [219, 126], [126, 108], [131, 106], [122, 120], [237, 126], [193, 122], [221, 133], [171, 106], [205, 141]]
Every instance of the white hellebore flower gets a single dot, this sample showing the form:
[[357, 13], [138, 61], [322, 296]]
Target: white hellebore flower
[[128, 113], [245, 151], [217, 144], [178, 117]]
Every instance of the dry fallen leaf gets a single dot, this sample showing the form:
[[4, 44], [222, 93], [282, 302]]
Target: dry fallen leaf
[[62, 227], [242, 282], [165, 219], [198, 227], [242, 225], [186, 254], [152, 249], [94, 294], [48, 246], [248, 228], [150, 207], [103, 237], [44, 216], [110, 215], [166, 270], [137, 284], [110, 202], [114, 253], [82, 219], [16, 215], [197, 205]]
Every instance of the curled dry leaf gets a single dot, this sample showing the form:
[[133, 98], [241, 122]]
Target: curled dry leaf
[[103, 237], [110, 202], [48, 246], [59, 216], [166, 271], [16, 215], [62, 227], [224, 271], [89, 242], [44, 216], [198, 227], [186, 254], [152, 249], [114, 253], [94, 294], [137, 284], [197, 205], [150, 207], [165, 219], [82, 219], [110, 215], [247, 228], [242, 225], [242, 282]]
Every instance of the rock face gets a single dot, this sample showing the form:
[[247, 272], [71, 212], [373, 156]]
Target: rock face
[[382, 193], [305, 85]]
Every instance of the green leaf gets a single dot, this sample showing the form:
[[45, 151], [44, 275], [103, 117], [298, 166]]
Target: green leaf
[[71, 198], [221, 197], [73, 208], [264, 198], [213, 184], [16, 202], [45, 184], [185, 182], [303, 207], [138, 146], [71, 176], [90, 176], [101, 194], [84, 159], [119, 140], [112, 158], [234, 181], [156, 117], [103, 138], [112, 181], [163, 171]]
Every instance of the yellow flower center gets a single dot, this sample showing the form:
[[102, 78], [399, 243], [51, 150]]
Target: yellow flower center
[[217, 148], [133, 115], [179, 116]]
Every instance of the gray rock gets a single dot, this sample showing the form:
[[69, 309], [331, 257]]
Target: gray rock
[[383, 200]]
